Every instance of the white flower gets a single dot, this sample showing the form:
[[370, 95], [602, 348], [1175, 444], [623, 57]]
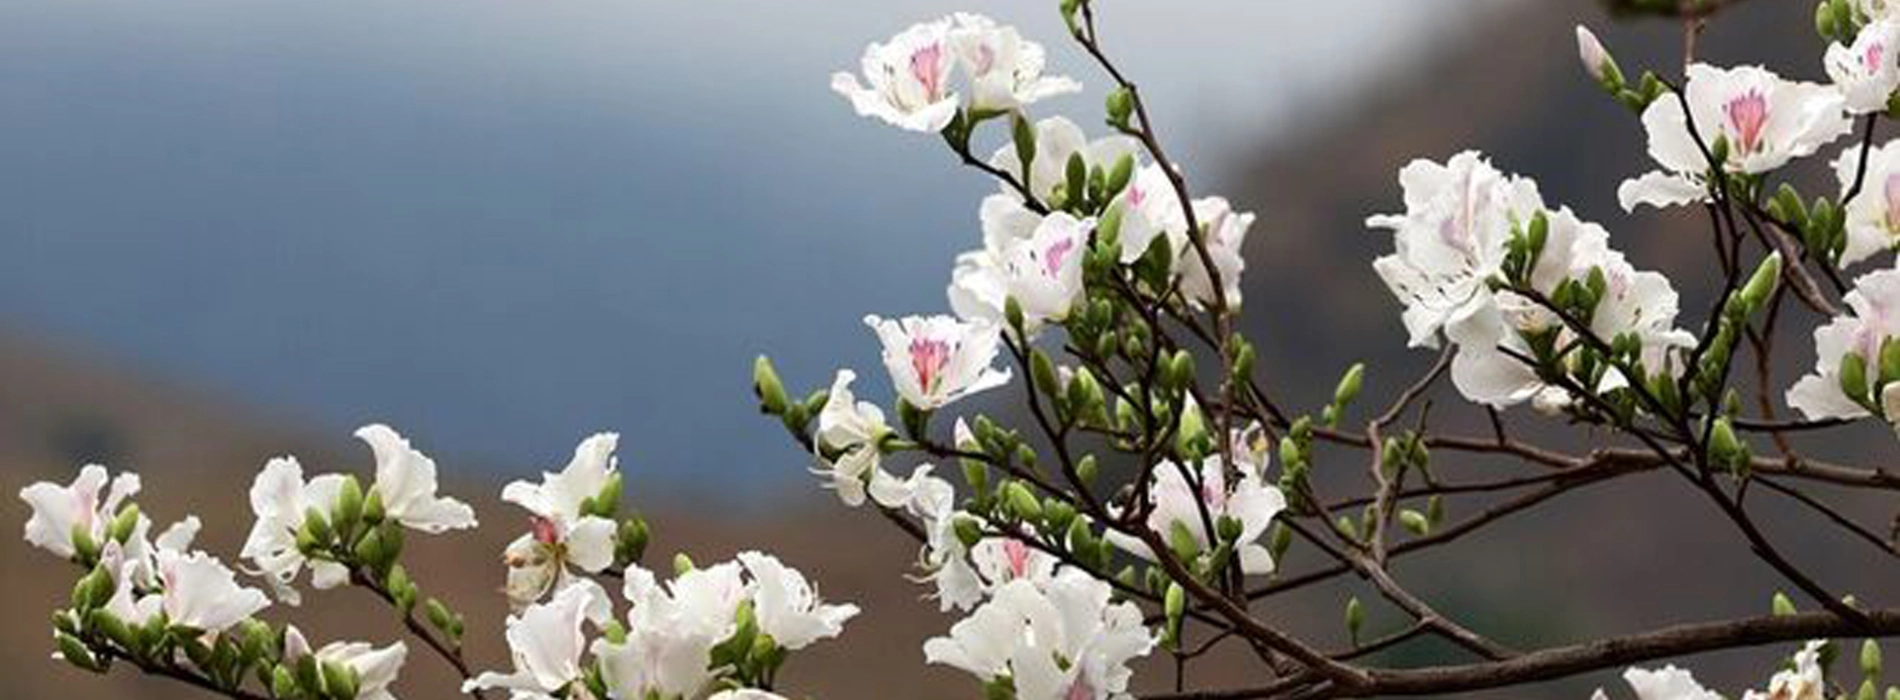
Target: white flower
[[561, 531], [1057, 139], [1005, 71], [1150, 208], [1178, 506], [909, 79], [1873, 217], [1450, 240], [1876, 10], [61, 511], [1042, 272], [1061, 640], [200, 592], [406, 482], [745, 694], [1765, 120], [671, 632], [1226, 234], [937, 360], [1596, 59], [546, 641], [1867, 72], [1670, 683], [787, 606], [1875, 306], [1803, 682], [852, 429], [280, 498], [376, 669]]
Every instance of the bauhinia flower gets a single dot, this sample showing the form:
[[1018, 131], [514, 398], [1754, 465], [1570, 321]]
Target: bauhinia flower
[[1670, 683], [908, 79], [671, 631], [1867, 72], [937, 360], [1005, 70], [63, 513], [376, 669], [1150, 208], [1042, 272], [406, 483], [745, 694], [566, 525], [1060, 640], [1179, 503], [787, 605], [281, 500], [1226, 234], [546, 641], [1848, 354], [198, 591], [1057, 139], [1451, 240], [1873, 215], [1803, 682], [850, 430], [1764, 120]]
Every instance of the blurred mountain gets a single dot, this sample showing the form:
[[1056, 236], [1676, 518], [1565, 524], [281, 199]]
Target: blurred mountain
[[1634, 554]]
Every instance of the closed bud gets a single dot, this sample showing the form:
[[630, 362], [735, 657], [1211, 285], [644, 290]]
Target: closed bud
[[1597, 60], [1120, 105], [1023, 134], [1013, 313], [1279, 540], [1021, 502], [1415, 521], [682, 564], [1854, 377], [125, 523], [1349, 385], [607, 502], [373, 510], [282, 683], [1355, 618], [766, 385], [1181, 369], [348, 509], [969, 531], [1076, 178], [1724, 447], [630, 543], [1174, 604], [85, 548], [438, 614], [1761, 284], [340, 682], [1043, 371], [401, 589], [1781, 605], [76, 653], [1229, 528], [1086, 469], [1123, 171], [1870, 658]]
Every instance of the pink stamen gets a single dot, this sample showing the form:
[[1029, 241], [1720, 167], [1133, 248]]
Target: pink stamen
[[1080, 689], [926, 65], [1748, 115], [1873, 56], [928, 358], [985, 59], [1018, 554], [1135, 195], [544, 530]]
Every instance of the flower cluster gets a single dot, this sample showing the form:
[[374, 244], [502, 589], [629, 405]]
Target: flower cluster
[[724, 628], [911, 80], [1802, 680]]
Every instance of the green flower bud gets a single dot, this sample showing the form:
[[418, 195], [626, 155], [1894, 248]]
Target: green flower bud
[[1761, 284], [969, 531], [1021, 502], [401, 588], [1043, 371], [76, 653], [1355, 618], [348, 509], [630, 543], [682, 564], [1076, 178], [607, 502], [438, 614], [1174, 604], [1120, 105], [1415, 521], [1349, 385], [1229, 528], [1870, 658], [85, 548], [1781, 605], [1086, 469], [373, 510], [282, 683], [1024, 135], [1854, 378], [340, 682], [1121, 174], [125, 523], [766, 385]]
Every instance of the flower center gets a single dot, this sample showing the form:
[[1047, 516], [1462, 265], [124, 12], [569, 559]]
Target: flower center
[[544, 530], [1018, 555], [1747, 115], [1080, 689], [926, 65], [927, 359], [1871, 58]]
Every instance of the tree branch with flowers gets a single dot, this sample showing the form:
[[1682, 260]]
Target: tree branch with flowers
[[1140, 501]]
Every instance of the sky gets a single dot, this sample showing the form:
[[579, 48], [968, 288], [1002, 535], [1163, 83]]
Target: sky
[[501, 225]]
